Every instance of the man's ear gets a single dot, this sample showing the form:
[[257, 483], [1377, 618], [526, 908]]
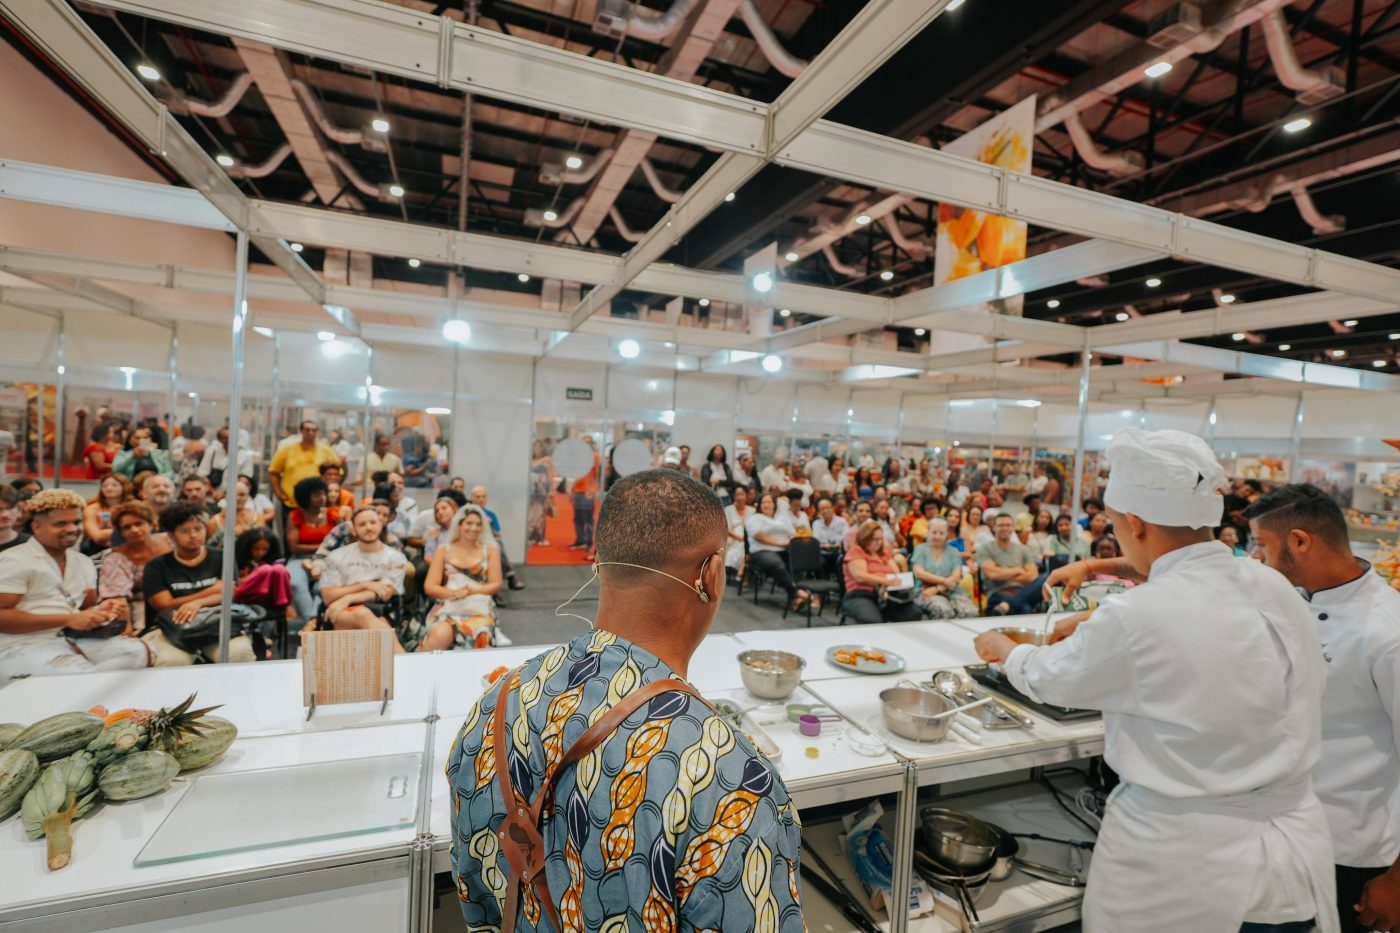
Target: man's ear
[[1299, 540], [713, 578], [1137, 527]]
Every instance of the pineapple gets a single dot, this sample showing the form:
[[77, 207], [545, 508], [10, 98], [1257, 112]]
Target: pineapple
[[166, 727], [117, 741]]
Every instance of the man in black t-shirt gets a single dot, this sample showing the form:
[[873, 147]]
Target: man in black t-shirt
[[179, 584]]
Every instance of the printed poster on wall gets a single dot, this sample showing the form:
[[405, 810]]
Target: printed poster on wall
[[972, 241]]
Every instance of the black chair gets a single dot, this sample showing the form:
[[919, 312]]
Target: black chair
[[806, 566]]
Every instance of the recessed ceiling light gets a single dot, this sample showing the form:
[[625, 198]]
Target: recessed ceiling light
[[1297, 126], [325, 336], [265, 331], [772, 363], [863, 219], [224, 159], [919, 332], [396, 191], [763, 282], [1227, 299], [791, 257], [457, 331], [295, 247], [628, 349], [785, 312], [1153, 282], [1053, 303], [1350, 323], [953, 5], [551, 216], [438, 410], [728, 197], [148, 71], [379, 125], [887, 276], [1122, 316], [573, 161], [1237, 337], [1337, 354], [1378, 363], [1395, 336], [1158, 69], [1285, 347], [414, 263], [522, 277], [704, 302], [128, 370]]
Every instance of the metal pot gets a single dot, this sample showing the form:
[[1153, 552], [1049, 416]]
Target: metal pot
[[1008, 847], [1021, 636], [771, 675], [909, 710], [959, 841]]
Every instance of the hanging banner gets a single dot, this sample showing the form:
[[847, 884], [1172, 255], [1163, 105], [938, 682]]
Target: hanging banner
[[972, 241]]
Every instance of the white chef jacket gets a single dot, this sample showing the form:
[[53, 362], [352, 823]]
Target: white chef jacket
[[1211, 684], [1358, 778]]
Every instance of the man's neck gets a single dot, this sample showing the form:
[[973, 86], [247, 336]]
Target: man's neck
[[1331, 569], [649, 622], [306, 446], [188, 557], [59, 554], [7, 535], [370, 546]]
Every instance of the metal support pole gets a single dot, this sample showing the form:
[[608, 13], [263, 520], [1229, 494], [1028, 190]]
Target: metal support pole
[[62, 370], [174, 376], [1210, 425], [39, 429], [235, 408], [365, 489], [1295, 464], [270, 447], [992, 446], [1078, 487], [903, 867]]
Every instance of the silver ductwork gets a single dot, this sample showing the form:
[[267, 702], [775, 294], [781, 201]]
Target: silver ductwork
[[657, 185], [1313, 87], [264, 168], [179, 103], [618, 18], [624, 231], [837, 266], [1321, 223], [557, 173], [783, 61], [534, 217], [366, 187], [366, 138], [913, 247], [1120, 164]]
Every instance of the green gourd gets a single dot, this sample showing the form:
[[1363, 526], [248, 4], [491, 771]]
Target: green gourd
[[195, 750], [116, 742], [8, 731], [139, 774], [59, 736], [52, 804], [19, 769]]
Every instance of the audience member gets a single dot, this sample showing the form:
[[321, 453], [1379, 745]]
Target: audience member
[[938, 571], [398, 520], [464, 576], [1227, 535], [360, 578], [685, 466], [298, 461], [112, 491], [1098, 527], [51, 621], [213, 465], [427, 530], [862, 513], [972, 530], [479, 497], [1092, 506], [27, 485], [1013, 489], [745, 474], [862, 486], [457, 484], [263, 578], [1068, 543], [122, 570], [914, 526], [334, 475], [791, 513], [307, 526], [245, 514], [157, 491], [102, 449], [958, 491], [830, 531], [142, 454], [954, 518], [736, 514], [184, 587], [923, 484], [1041, 533], [768, 541], [195, 490], [716, 474], [773, 478], [1009, 575], [817, 469], [381, 457], [870, 570], [10, 515]]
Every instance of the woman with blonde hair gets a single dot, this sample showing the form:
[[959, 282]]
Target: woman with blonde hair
[[464, 575]]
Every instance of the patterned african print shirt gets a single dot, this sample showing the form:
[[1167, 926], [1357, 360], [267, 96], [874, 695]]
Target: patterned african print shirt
[[675, 822]]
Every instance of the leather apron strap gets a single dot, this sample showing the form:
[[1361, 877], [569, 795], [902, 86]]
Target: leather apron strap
[[519, 834]]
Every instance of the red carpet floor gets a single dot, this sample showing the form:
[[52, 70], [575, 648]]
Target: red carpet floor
[[559, 532]]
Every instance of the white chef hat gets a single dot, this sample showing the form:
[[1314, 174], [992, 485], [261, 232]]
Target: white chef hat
[[1165, 477]]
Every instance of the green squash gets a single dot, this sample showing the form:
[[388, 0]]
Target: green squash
[[19, 769], [196, 751], [8, 731], [59, 736], [139, 774]]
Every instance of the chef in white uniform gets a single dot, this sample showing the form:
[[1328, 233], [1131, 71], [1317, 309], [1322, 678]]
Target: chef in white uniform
[[1301, 532], [1210, 680]]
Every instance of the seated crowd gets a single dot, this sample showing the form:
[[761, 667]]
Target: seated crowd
[[133, 577]]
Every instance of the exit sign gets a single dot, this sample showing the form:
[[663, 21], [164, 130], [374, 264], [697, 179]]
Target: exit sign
[[578, 395]]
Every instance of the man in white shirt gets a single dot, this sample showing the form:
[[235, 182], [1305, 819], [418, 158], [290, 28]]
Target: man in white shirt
[[774, 476], [818, 472], [830, 531], [368, 571], [1210, 681], [789, 511], [1301, 532], [47, 587]]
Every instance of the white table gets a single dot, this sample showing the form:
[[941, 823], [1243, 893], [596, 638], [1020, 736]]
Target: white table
[[922, 645]]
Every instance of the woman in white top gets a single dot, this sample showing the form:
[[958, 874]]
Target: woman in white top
[[768, 541], [1042, 530], [972, 529], [736, 514]]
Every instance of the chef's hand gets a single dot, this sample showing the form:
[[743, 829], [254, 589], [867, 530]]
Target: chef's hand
[[1066, 626], [1071, 576], [993, 647], [1380, 903]]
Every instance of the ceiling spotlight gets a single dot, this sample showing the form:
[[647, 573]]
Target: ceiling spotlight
[[887, 276], [551, 216], [396, 191], [1297, 126], [379, 125], [224, 159], [573, 161], [1158, 69], [1285, 347], [128, 370], [785, 313], [522, 278], [729, 197], [1153, 282], [1122, 316], [457, 331], [1350, 323], [325, 336], [148, 71], [1337, 354], [863, 219], [763, 282], [1394, 336], [414, 263], [919, 332], [772, 363], [438, 410], [295, 247], [1227, 299], [704, 302], [628, 349], [265, 331], [1237, 337], [1378, 363], [791, 256], [1053, 303]]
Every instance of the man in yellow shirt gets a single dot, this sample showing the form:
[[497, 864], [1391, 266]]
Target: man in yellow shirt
[[296, 462], [381, 459]]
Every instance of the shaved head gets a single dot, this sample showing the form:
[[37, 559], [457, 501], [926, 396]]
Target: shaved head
[[660, 519]]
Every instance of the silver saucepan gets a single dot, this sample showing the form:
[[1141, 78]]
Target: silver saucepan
[[915, 712], [1021, 636], [959, 841]]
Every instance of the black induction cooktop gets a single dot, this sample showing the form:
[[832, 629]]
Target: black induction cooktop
[[995, 680]]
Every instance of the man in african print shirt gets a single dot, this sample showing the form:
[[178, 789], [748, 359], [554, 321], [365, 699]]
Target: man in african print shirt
[[674, 821]]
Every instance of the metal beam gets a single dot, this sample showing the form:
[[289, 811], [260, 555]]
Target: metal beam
[[1264, 367], [1311, 308]]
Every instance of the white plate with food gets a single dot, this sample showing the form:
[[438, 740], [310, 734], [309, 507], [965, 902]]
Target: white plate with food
[[864, 659]]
